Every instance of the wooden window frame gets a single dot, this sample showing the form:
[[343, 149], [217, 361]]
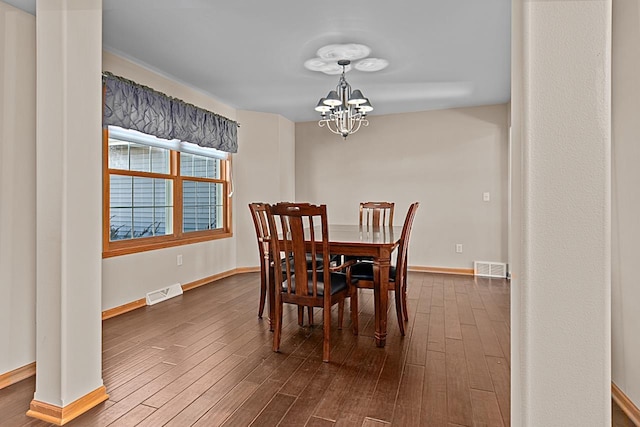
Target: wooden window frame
[[178, 237]]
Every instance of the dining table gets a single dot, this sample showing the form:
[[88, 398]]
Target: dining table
[[375, 242]]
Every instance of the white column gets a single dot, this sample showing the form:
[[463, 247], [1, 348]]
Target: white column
[[561, 291], [69, 207]]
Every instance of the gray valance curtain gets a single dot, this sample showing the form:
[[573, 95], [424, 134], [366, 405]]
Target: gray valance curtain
[[132, 106]]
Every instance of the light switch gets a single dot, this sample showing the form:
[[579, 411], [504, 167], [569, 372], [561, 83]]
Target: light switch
[[486, 196]]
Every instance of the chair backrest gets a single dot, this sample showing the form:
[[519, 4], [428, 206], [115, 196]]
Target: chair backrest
[[376, 214], [299, 232], [259, 216], [403, 247]]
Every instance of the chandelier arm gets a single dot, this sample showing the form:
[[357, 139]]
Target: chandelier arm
[[336, 130], [357, 128], [327, 123]]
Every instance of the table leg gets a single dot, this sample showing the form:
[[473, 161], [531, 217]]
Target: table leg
[[271, 293], [381, 295]]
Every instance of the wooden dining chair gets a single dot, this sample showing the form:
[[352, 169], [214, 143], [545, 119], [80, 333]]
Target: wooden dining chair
[[373, 214], [318, 262], [300, 231], [363, 273], [376, 214], [259, 216]]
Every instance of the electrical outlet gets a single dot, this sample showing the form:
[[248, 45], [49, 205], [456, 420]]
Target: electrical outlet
[[486, 196], [459, 248], [179, 259]]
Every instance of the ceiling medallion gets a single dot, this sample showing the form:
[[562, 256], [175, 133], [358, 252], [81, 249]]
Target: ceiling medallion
[[328, 56]]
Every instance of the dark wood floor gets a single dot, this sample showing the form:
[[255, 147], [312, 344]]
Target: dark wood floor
[[619, 418], [205, 359]]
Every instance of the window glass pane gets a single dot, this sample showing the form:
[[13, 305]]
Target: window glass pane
[[216, 205], [143, 223], [136, 157], [219, 215], [118, 154], [162, 192], [140, 207], [199, 166], [120, 223], [162, 220], [139, 158], [120, 193], [189, 219], [148, 222], [186, 164], [202, 217], [202, 193], [200, 206], [189, 193], [159, 160], [143, 193]]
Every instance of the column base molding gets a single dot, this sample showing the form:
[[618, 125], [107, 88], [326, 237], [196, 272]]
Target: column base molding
[[60, 416]]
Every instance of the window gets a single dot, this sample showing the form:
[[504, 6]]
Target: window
[[160, 193]]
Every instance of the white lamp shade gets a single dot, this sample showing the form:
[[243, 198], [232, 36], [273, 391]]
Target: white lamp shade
[[356, 98], [322, 107], [332, 99], [365, 107]]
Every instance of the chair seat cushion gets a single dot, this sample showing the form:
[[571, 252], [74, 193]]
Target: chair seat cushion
[[364, 271], [338, 283], [319, 262]]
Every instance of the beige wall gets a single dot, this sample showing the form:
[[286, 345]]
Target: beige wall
[[263, 172], [287, 146], [625, 315], [17, 187], [444, 159]]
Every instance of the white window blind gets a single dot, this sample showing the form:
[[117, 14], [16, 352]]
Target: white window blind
[[173, 144]]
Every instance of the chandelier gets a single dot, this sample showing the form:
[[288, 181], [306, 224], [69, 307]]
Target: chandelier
[[344, 111]]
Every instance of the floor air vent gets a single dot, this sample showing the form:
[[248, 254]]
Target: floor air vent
[[490, 269], [164, 294]]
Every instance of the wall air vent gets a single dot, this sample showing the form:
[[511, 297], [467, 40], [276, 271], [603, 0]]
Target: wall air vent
[[164, 294], [490, 269]]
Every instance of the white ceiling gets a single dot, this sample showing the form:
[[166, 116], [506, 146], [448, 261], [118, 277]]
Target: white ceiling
[[249, 54]]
